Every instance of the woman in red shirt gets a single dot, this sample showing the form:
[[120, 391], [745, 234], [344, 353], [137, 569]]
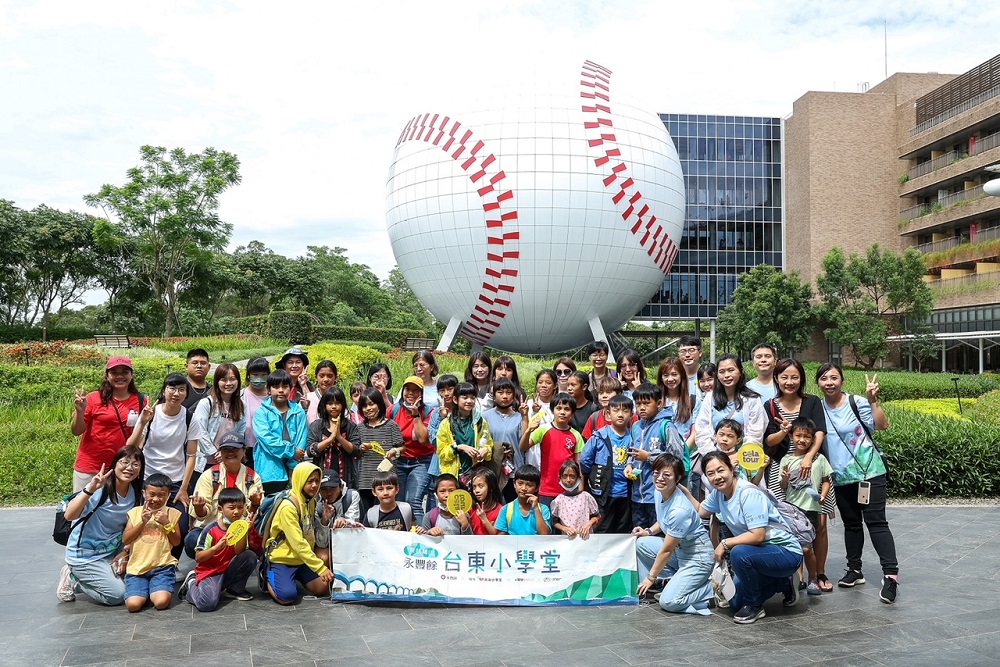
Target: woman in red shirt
[[414, 457], [105, 419]]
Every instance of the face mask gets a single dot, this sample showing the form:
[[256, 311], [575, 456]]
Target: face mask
[[570, 488], [258, 382], [226, 520]]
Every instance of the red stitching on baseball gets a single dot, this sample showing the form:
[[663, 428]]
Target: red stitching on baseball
[[502, 254], [599, 126]]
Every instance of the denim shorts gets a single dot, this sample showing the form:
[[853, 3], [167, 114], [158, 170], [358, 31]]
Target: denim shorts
[[156, 580]]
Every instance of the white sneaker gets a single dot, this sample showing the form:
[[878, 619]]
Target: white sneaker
[[185, 586], [65, 591]]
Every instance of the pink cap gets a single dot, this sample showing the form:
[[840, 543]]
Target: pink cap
[[118, 361]]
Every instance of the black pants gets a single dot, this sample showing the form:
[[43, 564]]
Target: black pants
[[271, 488], [616, 517], [872, 515]]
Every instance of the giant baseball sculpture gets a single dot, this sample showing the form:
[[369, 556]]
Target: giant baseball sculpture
[[539, 224]]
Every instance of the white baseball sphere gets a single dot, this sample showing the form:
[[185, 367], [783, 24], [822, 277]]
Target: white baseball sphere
[[527, 219]]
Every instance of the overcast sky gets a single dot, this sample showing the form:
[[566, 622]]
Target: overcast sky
[[312, 96]]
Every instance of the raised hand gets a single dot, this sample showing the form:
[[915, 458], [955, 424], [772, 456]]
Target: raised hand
[[80, 398], [871, 388]]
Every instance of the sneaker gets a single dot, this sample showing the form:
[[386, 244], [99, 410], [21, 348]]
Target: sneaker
[[185, 585], [813, 588], [748, 614], [851, 578], [243, 595], [65, 589], [888, 592], [792, 594]]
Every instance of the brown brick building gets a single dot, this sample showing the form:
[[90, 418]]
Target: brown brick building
[[903, 164]]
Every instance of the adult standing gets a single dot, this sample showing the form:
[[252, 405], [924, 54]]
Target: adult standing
[[380, 378], [859, 475], [684, 554], [762, 357], [598, 352], [414, 457], [730, 399], [219, 413], [295, 361], [196, 366], [425, 367], [94, 551], [630, 371], [791, 403], [689, 352], [763, 553], [104, 420], [563, 368], [168, 436]]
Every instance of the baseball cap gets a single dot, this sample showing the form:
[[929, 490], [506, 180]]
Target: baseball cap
[[331, 480], [413, 379], [118, 361], [232, 440]]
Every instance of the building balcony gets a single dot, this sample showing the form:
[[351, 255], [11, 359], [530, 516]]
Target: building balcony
[[964, 255], [974, 289], [948, 212], [953, 124], [953, 166]]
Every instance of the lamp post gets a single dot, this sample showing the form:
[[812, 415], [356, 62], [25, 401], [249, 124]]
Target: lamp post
[[958, 395]]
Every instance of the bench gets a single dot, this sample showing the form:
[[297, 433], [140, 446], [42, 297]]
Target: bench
[[419, 344], [112, 340]]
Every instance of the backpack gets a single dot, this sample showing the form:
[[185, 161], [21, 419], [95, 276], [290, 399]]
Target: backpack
[[63, 526], [601, 474], [262, 524], [799, 524], [404, 509], [216, 484]]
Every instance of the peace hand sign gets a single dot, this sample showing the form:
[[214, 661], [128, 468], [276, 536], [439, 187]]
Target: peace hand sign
[[80, 398], [871, 388], [98, 480]]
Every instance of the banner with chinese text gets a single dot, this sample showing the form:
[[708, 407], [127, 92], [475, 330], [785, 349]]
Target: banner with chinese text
[[484, 570]]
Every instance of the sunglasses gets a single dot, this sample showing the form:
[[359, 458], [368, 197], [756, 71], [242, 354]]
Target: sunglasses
[[563, 372]]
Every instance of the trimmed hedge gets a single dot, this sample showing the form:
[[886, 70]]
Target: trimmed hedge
[[393, 337], [902, 385], [384, 348], [987, 409], [20, 385], [255, 325], [293, 326], [933, 455], [21, 333]]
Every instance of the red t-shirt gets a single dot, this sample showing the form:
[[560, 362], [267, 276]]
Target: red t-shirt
[[477, 524], [218, 563], [557, 447], [405, 420], [106, 431]]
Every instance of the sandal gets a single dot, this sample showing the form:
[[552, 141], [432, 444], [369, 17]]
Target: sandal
[[825, 585]]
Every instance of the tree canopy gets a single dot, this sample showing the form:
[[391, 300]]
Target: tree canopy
[[768, 306]]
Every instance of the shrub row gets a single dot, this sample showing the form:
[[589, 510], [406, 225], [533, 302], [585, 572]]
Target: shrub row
[[18, 333], [391, 337], [901, 385], [21, 385], [987, 408], [934, 455], [352, 360]]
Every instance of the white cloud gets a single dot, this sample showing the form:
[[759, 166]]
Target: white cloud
[[311, 96]]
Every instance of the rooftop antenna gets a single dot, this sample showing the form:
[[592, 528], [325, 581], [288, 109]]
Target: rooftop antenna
[[885, 35]]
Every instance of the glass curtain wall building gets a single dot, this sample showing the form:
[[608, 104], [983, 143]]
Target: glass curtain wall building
[[732, 175]]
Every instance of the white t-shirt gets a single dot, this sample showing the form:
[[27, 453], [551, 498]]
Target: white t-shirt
[[166, 446]]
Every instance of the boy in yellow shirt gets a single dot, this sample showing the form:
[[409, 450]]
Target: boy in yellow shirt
[[152, 532]]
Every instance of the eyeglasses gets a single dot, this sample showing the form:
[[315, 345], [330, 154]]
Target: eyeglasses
[[198, 363], [380, 376], [179, 389], [687, 351], [598, 354], [133, 465], [663, 474], [563, 372], [626, 365]]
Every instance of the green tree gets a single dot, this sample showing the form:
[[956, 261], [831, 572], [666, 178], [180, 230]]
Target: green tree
[[262, 279], [768, 306], [867, 298], [13, 231], [407, 311], [167, 211], [923, 345], [330, 279]]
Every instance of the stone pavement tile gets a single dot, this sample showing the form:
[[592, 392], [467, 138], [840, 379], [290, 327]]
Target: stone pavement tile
[[232, 657], [582, 657], [947, 653], [159, 625], [415, 659], [498, 646], [559, 640], [917, 632], [699, 645], [390, 642], [977, 621], [847, 661], [837, 646], [839, 621], [38, 651], [82, 654], [430, 617], [777, 654], [988, 644], [290, 655]]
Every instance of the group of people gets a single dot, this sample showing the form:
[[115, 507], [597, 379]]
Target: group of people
[[602, 451]]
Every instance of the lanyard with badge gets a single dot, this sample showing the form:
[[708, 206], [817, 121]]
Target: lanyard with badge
[[864, 486]]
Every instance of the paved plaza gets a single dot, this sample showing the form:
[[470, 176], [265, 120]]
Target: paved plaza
[[948, 613]]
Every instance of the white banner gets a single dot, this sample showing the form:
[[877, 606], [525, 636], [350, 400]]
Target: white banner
[[486, 570]]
